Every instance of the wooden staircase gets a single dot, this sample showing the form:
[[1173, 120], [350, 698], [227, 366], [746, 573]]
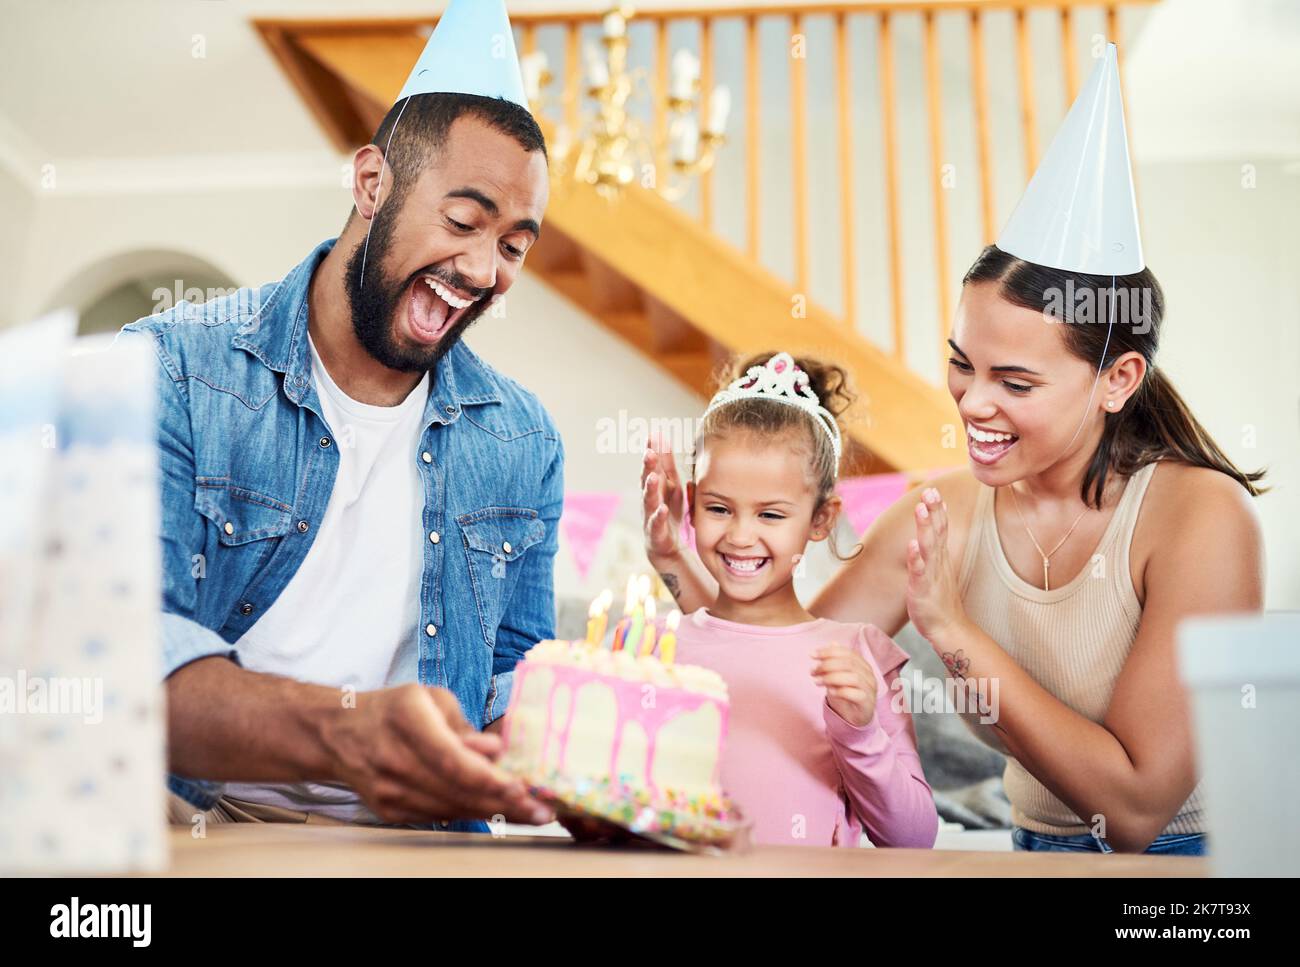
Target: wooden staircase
[[645, 270]]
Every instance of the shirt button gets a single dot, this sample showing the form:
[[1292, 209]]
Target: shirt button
[[427, 457], [430, 630], [302, 526], [506, 547], [451, 410], [229, 528], [324, 442], [434, 537], [245, 608]]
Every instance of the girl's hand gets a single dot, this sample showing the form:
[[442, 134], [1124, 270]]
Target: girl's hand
[[933, 602], [663, 502], [849, 681]]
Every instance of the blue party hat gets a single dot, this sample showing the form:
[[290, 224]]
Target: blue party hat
[[472, 51]]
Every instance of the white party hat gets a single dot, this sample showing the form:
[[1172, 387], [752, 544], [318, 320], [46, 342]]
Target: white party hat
[[1079, 212], [471, 51]]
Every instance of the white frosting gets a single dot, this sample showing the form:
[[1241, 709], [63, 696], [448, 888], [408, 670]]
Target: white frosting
[[633, 668]]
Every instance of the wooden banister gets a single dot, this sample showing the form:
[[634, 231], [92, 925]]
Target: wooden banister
[[984, 140], [799, 148], [844, 103], [706, 91], [1028, 110], [934, 90], [885, 44], [752, 143]]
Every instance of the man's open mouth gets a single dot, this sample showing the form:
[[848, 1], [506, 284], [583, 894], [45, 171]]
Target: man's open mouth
[[433, 308]]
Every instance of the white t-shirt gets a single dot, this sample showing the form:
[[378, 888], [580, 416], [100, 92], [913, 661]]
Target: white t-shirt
[[350, 615]]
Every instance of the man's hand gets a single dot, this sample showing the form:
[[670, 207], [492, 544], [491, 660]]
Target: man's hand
[[411, 756]]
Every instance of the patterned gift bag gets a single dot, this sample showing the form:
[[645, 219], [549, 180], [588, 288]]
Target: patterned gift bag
[[81, 703]]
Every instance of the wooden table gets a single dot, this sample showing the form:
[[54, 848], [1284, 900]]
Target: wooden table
[[251, 849]]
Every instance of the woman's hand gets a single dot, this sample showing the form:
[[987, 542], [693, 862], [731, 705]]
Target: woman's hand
[[663, 506], [663, 502], [933, 601], [849, 681]]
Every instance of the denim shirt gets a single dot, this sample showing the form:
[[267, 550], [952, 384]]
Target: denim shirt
[[247, 465]]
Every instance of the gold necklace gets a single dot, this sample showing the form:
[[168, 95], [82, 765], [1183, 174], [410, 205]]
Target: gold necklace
[[1047, 558]]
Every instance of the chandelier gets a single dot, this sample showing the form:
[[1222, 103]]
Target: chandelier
[[611, 150]]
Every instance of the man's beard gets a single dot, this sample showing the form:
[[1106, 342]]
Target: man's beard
[[374, 300]]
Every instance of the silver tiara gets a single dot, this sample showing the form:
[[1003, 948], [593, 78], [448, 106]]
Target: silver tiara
[[780, 381]]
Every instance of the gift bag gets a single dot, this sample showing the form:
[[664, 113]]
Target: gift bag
[[81, 700]]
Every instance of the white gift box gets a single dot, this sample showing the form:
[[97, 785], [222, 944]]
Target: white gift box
[[81, 701], [1243, 674]]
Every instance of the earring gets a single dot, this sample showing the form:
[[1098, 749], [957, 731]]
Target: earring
[[1110, 404]]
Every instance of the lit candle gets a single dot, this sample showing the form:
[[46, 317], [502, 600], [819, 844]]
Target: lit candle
[[597, 616], [668, 640], [648, 636], [597, 69], [615, 25], [602, 617], [629, 602], [632, 641], [719, 108], [686, 71]]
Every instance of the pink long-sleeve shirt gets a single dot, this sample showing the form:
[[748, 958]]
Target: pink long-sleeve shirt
[[802, 773]]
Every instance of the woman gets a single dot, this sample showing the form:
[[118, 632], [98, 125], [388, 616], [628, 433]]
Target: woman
[[1060, 562]]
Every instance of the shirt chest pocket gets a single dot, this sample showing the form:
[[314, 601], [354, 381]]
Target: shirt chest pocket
[[247, 522], [496, 541]]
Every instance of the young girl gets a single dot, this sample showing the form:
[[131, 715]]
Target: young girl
[[815, 751]]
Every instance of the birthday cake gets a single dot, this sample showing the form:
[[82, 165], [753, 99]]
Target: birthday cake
[[627, 738]]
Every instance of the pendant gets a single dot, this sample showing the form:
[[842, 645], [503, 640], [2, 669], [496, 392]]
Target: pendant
[[1046, 585]]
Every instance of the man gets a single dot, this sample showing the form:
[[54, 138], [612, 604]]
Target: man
[[358, 514]]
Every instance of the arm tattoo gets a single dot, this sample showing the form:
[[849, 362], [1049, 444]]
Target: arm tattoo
[[957, 664], [673, 585]]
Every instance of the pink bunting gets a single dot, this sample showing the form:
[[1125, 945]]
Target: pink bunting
[[865, 498], [585, 519]]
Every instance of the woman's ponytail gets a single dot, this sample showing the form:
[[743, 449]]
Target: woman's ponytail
[[1158, 424]]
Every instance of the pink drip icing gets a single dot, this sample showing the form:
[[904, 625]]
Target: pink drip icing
[[563, 737], [627, 696]]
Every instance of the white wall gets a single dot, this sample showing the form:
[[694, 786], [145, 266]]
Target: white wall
[[18, 205], [1227, 257]]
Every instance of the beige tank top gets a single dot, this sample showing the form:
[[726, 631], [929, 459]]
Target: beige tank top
[[1073, 640]]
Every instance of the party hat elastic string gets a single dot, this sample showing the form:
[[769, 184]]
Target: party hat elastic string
[[1101, 366], [383, 166]]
